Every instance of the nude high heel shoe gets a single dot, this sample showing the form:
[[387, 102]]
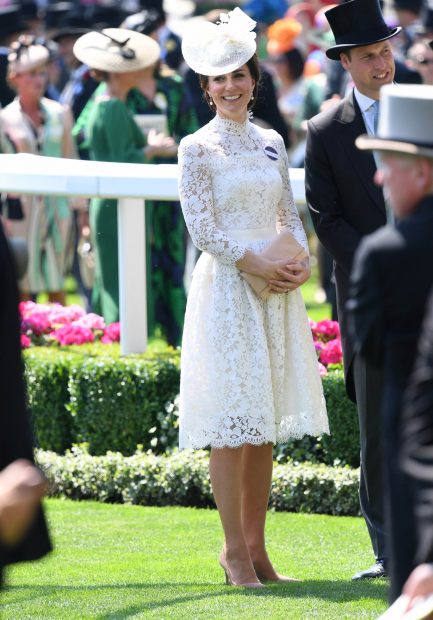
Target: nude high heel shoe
[[229, 579]]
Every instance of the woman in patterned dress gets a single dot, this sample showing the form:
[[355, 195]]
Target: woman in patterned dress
[[249, 373], [34, 124]]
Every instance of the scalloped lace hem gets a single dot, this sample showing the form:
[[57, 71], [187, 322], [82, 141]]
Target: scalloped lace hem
[[200, 444]]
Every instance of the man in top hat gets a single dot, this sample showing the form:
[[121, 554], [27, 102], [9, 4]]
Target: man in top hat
[[79, 85], [11, 26], [391, 279], [345, 204]]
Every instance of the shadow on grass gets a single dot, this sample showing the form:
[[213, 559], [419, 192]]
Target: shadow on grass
[[327, 590]]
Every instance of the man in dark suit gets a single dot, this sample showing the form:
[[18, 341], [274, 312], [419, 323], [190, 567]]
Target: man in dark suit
[[345, 205], [416, 458], [391, 279]]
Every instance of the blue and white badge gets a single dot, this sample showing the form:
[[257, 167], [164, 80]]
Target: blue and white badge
[[271, 153]]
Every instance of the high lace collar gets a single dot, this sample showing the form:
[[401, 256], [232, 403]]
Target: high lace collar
[[229, 126]]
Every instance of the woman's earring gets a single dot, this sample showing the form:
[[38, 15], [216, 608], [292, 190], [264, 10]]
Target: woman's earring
[[210, 100], [252, 95]]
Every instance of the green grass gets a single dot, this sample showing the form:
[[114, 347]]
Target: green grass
[[117, 562], [317, 311]]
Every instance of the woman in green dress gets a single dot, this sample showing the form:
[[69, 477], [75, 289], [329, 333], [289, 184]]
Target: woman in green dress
[[117, 57]]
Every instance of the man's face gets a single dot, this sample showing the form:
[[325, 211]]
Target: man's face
[[402, 178], [371, 66]]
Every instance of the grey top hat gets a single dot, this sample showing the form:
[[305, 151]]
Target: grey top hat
[[356, 23], [405, 115]]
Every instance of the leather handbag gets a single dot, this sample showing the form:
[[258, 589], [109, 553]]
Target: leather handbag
[[284, 246]]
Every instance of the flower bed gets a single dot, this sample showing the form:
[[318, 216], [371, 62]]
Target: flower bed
[[51, 324]]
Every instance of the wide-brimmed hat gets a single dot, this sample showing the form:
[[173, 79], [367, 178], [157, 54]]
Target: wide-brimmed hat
[[116, 50], [27, 54], [217, 49], [405, 121], [357, 23]]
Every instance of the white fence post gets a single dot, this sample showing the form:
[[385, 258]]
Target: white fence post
[[132, 275]]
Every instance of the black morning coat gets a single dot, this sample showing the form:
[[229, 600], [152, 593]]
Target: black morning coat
[[391, 280], [345, 204]]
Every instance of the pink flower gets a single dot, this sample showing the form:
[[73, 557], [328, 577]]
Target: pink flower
[[111, 333], [322, 370], [25, 341], [331, 352], [91, 320], [73, 334], [25, 307], [326, 330], [64, 315], [36, 323]]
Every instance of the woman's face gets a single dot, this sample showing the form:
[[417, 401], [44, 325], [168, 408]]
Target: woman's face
[[31, 83], [231, 93]]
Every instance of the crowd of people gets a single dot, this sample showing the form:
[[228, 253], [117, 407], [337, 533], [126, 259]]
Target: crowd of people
[[342, 89]]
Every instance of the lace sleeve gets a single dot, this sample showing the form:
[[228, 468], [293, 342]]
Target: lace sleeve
[[195, 190], [287, 213]]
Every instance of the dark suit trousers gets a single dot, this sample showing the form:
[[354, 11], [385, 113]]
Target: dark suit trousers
[[368, 388]]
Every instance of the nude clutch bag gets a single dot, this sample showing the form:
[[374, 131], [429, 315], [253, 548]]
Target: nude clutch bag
[[284, 246], [422, 610]]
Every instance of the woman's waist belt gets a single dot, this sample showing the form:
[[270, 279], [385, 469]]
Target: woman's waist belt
[[251, 234]]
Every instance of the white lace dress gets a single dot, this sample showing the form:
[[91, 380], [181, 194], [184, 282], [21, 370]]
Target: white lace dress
[[249, 371]]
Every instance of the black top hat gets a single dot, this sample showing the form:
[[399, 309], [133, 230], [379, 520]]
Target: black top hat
[[409, 5], [356, 23], [55, 12], [104, 16], [426, 24], [29, 9], [72, 24], [11, 21], [146, 21]]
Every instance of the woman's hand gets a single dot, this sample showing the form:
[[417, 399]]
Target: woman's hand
[[291, 276], [282, 275], [159, 145]]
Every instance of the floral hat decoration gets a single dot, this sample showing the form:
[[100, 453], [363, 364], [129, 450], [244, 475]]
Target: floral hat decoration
[[26, 54], [217, 49]]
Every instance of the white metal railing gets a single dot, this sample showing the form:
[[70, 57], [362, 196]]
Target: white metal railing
[[132, 185]]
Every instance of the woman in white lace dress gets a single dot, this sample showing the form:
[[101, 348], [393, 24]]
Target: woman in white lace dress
[[249, 373]]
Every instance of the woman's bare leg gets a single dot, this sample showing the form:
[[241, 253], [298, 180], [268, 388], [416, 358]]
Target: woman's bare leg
[[256, 485], [226, 476]]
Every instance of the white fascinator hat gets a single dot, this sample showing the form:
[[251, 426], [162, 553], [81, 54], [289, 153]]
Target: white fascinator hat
[[217, 49]]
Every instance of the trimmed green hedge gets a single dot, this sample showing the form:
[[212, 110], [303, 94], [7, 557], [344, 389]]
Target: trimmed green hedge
[[91, 394], [182, 479]]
